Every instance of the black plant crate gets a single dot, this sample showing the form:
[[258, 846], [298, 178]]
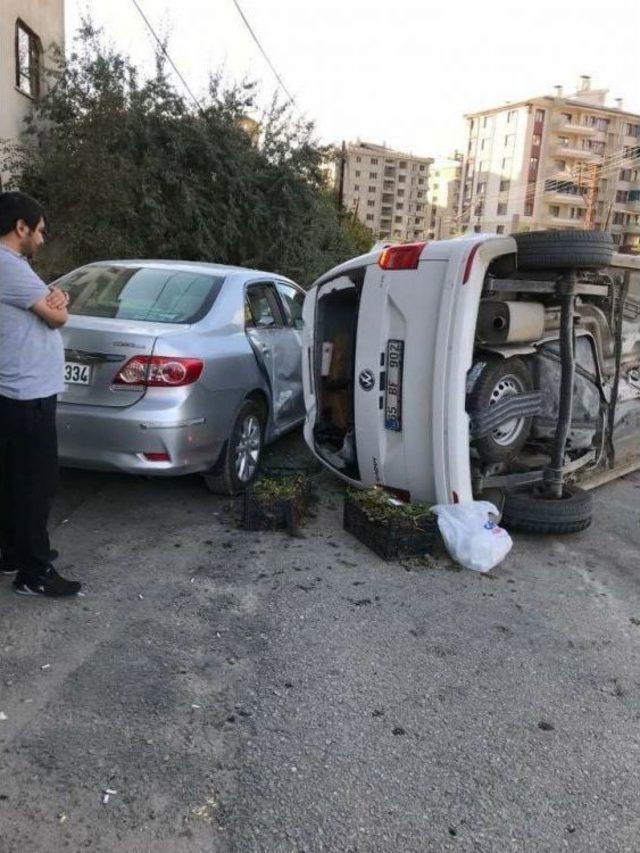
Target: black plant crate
[[391, 532], [276, 503]]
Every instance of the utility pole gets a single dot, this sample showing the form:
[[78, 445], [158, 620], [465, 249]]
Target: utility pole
[[343, 163]]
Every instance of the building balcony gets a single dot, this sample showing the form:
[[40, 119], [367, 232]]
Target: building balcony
[[556, 197], [633, 206], [563, 221], [568, 152], [632, 228], [564, 127]]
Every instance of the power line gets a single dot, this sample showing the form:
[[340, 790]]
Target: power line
[[263, 52], [164, 50]]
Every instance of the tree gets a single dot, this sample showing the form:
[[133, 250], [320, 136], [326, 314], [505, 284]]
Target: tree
[[129, 168]]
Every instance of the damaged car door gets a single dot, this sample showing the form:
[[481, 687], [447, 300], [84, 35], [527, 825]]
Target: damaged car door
[[273, 327]]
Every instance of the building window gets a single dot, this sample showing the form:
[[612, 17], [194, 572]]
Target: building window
[[505, 183], [598, 123], [476, 229], [397, 220], [372, 189], [632, 129], [533, 164], [371, 203], [400, 193], [561, 165], [508, 140], [421, 167], [374, 161], [369, 217], [568, 117], [482, 144], [373, 176], [536, 139], [528, 208], [399, 206], [500, 229], [485, 121], [403, 164], [402, 179], [419, 206], [625, 175], [502, 209], [539, 116], [358, 159], [622, 196], [357, 173], [28, 51], [554, 210], [420, 181], [356, 188], [506, 164], [481, 187], [511, 116]]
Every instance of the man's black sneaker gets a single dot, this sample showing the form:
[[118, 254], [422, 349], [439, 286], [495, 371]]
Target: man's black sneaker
[[48, 583], [7, 569]]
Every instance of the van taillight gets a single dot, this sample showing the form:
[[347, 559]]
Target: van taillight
[[405, 256], [156, 371], [469, 263]]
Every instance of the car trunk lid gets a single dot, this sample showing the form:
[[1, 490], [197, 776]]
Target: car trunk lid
[[96, 348]]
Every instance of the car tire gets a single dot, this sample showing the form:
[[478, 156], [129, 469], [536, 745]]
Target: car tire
[[245, 442], [500, 377], [543, 250], [534, 512]]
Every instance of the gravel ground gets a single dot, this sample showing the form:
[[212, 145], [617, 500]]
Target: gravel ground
[[254, 692]]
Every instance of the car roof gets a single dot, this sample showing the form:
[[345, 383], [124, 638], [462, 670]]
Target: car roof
[[186, 266]]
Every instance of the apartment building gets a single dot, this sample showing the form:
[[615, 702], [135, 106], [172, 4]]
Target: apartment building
[[385, 189], [443, 196], [27, 30], [554, 161]]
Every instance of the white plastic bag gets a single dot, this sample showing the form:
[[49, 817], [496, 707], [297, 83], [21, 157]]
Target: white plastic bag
[[472, 538]]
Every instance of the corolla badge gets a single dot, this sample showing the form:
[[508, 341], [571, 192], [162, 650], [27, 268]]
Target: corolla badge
[[367, 379]]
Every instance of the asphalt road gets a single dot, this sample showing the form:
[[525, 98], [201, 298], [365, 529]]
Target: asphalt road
[[254, 692]]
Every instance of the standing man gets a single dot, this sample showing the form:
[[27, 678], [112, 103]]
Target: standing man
[[31, 377]]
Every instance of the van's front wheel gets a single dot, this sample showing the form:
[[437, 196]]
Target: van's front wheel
[[498, 379]]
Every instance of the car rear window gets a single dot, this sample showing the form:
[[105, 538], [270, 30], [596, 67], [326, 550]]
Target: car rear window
[[162, 295]]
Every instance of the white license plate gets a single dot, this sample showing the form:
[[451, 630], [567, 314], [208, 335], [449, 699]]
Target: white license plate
[[77, 374], [393, 391]]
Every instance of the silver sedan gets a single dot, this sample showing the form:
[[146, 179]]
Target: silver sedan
[[175, 368]]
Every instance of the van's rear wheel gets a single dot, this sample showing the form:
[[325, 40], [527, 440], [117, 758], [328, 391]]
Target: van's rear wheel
[[499, 379], [543, 250], [535, 512]]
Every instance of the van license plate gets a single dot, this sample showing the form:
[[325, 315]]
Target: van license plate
[[77, 374], [393, 391]]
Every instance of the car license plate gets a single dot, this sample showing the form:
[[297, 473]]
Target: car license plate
[[77, 374], [393, 391]]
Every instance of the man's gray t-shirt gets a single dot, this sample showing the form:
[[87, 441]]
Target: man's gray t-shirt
[[31, 354]]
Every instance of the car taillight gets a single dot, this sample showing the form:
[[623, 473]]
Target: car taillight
[[156, 371], [157, 457], [405, 256]]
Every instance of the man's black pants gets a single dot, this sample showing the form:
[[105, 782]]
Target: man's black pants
[[28, 479]]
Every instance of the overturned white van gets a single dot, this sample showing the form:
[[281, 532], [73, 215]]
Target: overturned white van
[[506, 367]]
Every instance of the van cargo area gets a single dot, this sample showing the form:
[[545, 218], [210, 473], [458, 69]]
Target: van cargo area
[[336, 335]]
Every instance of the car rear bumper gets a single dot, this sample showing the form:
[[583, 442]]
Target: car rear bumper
[[100, 438]]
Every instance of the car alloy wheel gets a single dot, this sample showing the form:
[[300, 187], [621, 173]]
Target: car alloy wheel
[[247, 449]]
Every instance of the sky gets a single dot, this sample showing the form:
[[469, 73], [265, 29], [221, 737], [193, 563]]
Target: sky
[[401, 72]]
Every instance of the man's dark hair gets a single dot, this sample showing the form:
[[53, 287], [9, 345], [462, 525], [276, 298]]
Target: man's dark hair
[[15, 206]]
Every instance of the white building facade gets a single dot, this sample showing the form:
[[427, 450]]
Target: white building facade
[[554, 162]]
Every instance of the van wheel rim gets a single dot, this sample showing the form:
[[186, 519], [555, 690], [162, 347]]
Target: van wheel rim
[[247, 450], [508, 432]]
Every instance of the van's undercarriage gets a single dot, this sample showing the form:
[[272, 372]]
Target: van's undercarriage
[[554, 391]]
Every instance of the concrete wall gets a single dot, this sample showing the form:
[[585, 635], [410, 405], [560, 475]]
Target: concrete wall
[[46, 19]]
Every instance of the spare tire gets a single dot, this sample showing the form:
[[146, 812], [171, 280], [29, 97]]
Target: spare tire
[[544, 250], [535, 512]]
